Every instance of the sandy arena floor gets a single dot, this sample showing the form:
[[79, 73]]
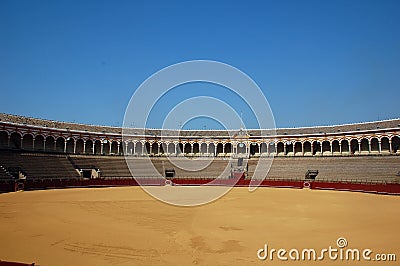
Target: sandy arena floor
[[125, 226]]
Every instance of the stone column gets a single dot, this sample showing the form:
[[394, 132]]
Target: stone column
[[379, 146], [84, 146], [369, 146], [359, 146]]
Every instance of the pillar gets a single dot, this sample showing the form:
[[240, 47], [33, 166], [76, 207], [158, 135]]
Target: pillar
[[369, 146], [359, 146], [379, 146], [84, 146]]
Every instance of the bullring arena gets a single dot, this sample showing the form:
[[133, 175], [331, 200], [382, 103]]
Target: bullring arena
[[105, 218]]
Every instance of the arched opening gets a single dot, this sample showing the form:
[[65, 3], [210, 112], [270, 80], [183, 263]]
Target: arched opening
[[161, 148], [374, 145], [49, 144], [326, 147], [385, 145], [228, 148], [345, 146], [39, 143], [240, 147], [196, 148], [203, 148], [70, 145], [89, 146], [289, 148], [219, 148], [130, 148], [97, 147], [15, 140], [3, 140], [396, 144], [135, 148], [280, 148], [354, 146], [298, 149], [154, 148], [188, 148], [180, 148], [171, 148], [27, 142], [316, 148], [79, 146], [364, 146], [114, 147], [254, 148], [147, 148], [106, 147], [307, 148], [60, 144], [271, 149], [263, 148], [211, 148], [335, 147]]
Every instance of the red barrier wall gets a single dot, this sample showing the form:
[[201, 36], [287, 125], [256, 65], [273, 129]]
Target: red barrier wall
[[34, 184]]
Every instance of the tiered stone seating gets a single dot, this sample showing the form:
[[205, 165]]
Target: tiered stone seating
[[39, 165], [332, 168]]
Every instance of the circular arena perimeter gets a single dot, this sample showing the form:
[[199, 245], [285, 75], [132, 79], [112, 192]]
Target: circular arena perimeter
[[40, 154], [32, 134]]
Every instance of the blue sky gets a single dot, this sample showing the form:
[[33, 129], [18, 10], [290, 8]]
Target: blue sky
[[317, 62]]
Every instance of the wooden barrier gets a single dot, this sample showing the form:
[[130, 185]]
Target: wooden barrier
[[36, 184]]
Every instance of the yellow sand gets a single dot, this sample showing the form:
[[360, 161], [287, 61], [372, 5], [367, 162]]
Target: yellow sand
[[125, 226]]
